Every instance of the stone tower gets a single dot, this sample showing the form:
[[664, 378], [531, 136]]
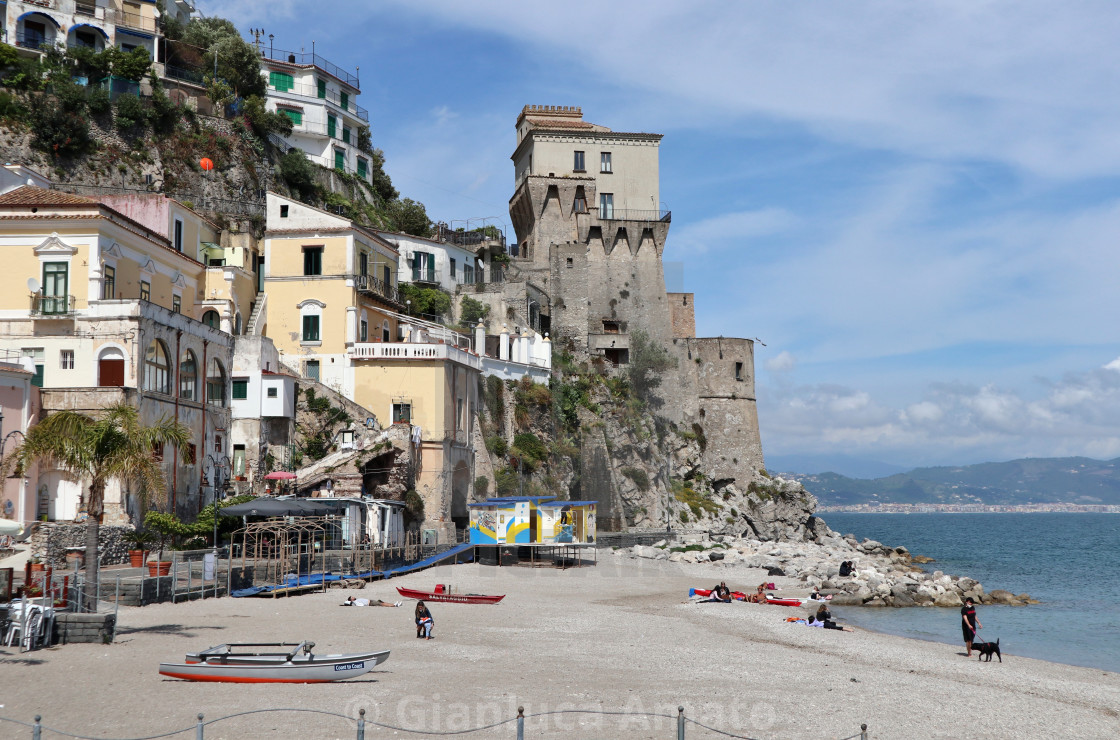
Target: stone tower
[[591, 230]]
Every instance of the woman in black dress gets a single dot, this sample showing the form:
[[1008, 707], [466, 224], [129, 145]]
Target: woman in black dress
[[424, 621]]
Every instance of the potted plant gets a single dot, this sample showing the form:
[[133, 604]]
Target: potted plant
[[37, 565], [138, 541], [165, 527]]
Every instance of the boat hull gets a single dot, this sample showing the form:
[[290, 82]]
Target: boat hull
[[375, 657], [274, 672], [410, 593]]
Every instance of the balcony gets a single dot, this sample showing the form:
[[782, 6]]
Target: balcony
[[635, 214], [52, 305], [305, 59], [411, 351], [311, 93], [371, 286], [131, 20]]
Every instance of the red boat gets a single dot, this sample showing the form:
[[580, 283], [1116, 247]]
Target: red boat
[[442, 595], [785, 602]]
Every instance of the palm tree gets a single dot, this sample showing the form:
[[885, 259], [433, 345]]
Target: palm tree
[[115, 445]]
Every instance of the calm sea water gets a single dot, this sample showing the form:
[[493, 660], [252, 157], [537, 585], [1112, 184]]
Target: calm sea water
[[1070, 562]]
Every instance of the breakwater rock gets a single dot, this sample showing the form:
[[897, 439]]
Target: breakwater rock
[[883, 575]]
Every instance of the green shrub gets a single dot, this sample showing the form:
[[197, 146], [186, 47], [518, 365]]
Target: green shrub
[[497, 446], [164, 114], [481, 485], [130, 112], [506, 482], [413, 506], [530, 447], [11, 107], [71, 97], [98, 101], [425, 302], [639, 476], [58, 132], [648, 360], [473, 311], [298, 173]]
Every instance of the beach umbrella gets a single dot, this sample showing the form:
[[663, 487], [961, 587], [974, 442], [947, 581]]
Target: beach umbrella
[[280, 475], [7, 526]]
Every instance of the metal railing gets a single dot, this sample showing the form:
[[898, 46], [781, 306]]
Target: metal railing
[[291, 57], [635, 214], [52, 305], [545, 723], [375, 286], [311, 93], [131, 20], [194, 76], [33, 40]]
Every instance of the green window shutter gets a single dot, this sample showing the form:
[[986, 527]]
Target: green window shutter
[[281, 81], [295, 116], [240, 390], [431, 268], [311, 328], [344, 100], [415, 267], [339, 159], [322, 85], [332, 126], [362, 167], [346, 134], [37, 378]]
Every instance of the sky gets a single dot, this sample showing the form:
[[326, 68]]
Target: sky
[[913, 207]]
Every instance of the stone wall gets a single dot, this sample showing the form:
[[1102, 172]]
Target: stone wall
[[682, 314], [50, 540]]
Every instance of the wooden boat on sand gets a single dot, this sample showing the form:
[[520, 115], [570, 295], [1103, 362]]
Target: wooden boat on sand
[[443, 595], [240, 663]]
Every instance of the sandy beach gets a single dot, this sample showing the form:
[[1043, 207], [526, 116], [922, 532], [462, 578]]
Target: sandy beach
[[616, 637]]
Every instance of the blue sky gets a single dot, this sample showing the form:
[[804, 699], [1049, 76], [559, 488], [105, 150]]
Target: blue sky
[[915, 206]]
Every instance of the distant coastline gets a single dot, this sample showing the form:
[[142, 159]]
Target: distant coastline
[[888, 508]]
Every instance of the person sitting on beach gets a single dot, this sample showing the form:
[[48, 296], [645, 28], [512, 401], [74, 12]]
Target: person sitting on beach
[[352, 601], [424, 621], [720, 593], [759, 596], [846, 568], [816, 595], [824, 619]]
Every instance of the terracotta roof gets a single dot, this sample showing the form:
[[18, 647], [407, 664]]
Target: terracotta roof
[[30, 195]]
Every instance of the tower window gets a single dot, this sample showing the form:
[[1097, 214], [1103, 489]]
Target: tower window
[[605, 162], [738, 371], [577, 165]]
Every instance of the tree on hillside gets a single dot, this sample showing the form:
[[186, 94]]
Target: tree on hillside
[[114, 446], [410, 217], [648, 360], [239, 64]]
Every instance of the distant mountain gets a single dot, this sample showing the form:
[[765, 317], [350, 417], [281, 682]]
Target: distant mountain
[[853, 467], [1078, 480]]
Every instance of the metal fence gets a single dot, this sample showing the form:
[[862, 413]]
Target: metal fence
[[514, 725]]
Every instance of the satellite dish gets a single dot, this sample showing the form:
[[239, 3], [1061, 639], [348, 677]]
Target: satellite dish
[[33, 285]]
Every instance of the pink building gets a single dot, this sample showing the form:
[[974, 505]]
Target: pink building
[[19, 404]]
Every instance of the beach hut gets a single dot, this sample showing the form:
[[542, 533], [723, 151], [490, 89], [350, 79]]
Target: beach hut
[[532, 520]]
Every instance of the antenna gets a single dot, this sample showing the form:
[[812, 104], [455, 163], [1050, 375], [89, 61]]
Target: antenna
[[33, 285]]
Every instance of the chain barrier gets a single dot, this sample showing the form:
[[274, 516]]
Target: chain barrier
[[199, 728]]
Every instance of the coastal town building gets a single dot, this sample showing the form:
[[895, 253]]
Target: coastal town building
[[19, 409], [320, 98], [112, 312], [587, 269], [432, 263], [263, 410]]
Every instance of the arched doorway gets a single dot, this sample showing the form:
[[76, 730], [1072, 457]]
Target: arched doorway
[[460, 489]]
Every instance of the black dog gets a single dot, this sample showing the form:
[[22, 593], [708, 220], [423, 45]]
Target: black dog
[[987, 648]]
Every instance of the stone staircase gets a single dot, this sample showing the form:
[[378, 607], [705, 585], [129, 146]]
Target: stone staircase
[[258, 318]]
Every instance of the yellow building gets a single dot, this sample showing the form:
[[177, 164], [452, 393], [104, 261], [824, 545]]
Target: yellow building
[[334, 315], [108, 309]]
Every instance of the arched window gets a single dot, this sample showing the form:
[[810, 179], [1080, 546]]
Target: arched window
[[385, 331], [211, 319], [216, 383], [157, 368], [188, 376]]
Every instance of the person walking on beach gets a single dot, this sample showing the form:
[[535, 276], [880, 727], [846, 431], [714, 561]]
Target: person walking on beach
[[969, 624]]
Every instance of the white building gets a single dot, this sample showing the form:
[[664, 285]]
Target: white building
[[321, 100], [431, 263], [263, 411]]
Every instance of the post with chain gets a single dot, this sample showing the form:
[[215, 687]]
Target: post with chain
[[200, 728], [37, 728], [520, 719], [680, 723], [361, 724], [863, 732]]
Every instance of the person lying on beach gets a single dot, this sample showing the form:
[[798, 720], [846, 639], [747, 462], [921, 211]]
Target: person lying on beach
[[351, 601], [424, 621]]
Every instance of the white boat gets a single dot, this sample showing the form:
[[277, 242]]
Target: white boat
[[231, 663]]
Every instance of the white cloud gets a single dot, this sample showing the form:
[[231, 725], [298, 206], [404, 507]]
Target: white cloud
[[729, 230], [784, 362]]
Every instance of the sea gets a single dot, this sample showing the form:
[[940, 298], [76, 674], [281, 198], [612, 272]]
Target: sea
[[1069, 562]]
